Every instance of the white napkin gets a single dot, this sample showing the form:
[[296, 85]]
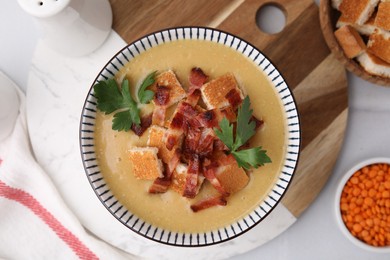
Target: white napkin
[[35, 223]]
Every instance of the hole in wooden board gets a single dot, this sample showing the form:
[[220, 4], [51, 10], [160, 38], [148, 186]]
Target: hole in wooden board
[[271, 18]]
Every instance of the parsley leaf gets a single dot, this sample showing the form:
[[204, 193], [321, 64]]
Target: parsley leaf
[[111, 99], [145, 95], [108, 95], [254, 157], [121, 120], [129, 103], [245, 127], [246, 158], [226, 133]]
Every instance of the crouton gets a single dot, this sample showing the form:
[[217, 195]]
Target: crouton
[[214, 92], [350, 41], [169, 80], [156, 139], [145, 163], [379, 45], [365, 29], [374, 65], [382, 19], [358, 11], [179, 178], [232, 177]]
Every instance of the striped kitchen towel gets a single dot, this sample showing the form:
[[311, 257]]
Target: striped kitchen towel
[[35, 223]]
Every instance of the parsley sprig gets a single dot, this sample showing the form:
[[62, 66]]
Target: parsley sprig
[[245, 129], [112, 99], [145, 95]]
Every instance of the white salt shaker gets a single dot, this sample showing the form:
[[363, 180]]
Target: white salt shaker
[[9, 106], [71, 27]]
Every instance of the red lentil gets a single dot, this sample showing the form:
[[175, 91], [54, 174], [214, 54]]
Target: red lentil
[[365, 204]]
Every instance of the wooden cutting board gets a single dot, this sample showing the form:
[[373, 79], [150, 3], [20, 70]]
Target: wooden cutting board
[[317, 80]]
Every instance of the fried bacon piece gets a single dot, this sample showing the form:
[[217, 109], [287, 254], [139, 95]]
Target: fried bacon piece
[[198, 141], [187, 110], [227, 112], [208, 203], [234, 98], [190, 188], [259, 122], [209, 172], [175, 131], [161, 99], [174, 160], [206, 143], [197, 78], [219, 145], [208, 118], [191, 141], [146, 121], [181, 120], [161, 185], [194, 97], [211, 118]]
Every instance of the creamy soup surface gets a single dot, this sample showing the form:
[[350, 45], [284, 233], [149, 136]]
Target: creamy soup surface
[[171, 211]]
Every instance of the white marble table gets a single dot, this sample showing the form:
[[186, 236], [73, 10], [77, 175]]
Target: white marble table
[[56, 87]]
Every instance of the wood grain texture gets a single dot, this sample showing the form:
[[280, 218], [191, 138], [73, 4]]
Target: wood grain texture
[[322, 100], [134, 19], [317, 79], [300, 41], [315, 166]]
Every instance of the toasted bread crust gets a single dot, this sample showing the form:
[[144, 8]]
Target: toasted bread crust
[[168, 79], [382, 19], [214, 92], [232, 177], [374, 65], [377, 60], [179, 179], [357, 11], [350, 41], [366, 29], [379, 45], [145, 163], [156, 139]]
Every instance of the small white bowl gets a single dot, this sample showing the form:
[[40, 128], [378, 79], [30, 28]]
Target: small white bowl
[[340, 222]]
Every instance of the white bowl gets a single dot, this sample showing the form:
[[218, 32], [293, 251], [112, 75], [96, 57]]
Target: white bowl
[[261, 210], [340, 222]]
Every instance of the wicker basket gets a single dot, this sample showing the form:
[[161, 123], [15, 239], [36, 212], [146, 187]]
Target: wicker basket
[[328, 19]]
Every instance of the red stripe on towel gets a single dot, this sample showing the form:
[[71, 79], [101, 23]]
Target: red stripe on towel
[[30, 202]]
